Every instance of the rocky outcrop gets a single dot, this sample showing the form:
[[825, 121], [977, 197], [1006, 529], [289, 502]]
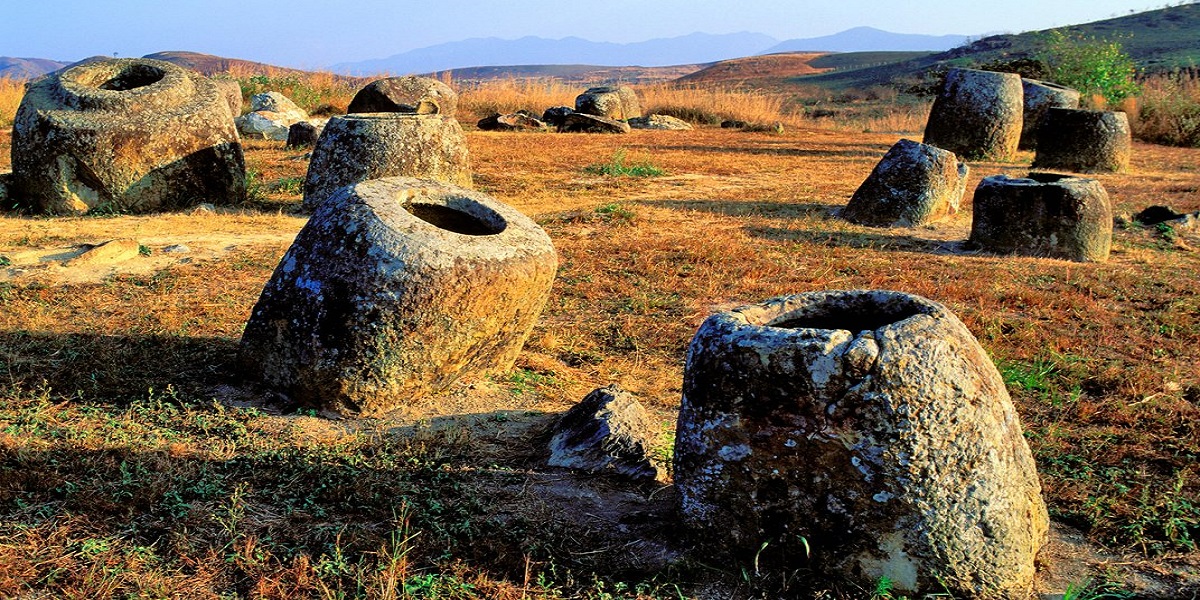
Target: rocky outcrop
[[664, 122], [518, 121], [585, 123], [609, 432], [611, 102], [977, 115], [861, 434], [412, 95], [362, 146], [1084, 141], [393, 290], [1041, 96], [271, 115], [127, 135], [1044, 214], [913, 184]]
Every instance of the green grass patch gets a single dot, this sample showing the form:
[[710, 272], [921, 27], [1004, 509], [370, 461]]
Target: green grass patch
[[617, 167]]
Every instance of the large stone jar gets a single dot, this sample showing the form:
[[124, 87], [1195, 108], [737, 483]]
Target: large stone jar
[[395, 289], [126, 135], [611, 102], [1041, 96], [362, 146], [913, 184], [1084, 141], [1043, 214], [414, 95], [977, 115], [863, 434]]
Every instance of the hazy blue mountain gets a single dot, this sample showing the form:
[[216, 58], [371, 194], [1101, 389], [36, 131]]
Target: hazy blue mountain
[[478, 52], [25, 68], [869, 39]]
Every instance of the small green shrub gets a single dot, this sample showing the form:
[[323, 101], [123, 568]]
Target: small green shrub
[[617, 167], [1091, 65]]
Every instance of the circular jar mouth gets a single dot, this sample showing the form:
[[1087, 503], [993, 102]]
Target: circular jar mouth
[[128, 77], [454, 220], [851, 312]]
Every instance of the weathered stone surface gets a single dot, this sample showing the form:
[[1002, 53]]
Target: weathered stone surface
[[277, 103], [1041, 96], [518, 121], [584, 123], [1084, 141], [413, 95], [1045, 214], [271, 115], [977, 115], [556, 115], [6, 199], [665, 122], [362, 146], [913, 184], [394, 289], [232, 90], [868, 427], [132, 135], [107, 253], [611, 102], [303, 134], [609, 432]]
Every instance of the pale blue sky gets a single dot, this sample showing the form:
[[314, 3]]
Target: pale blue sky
[[311, 34]]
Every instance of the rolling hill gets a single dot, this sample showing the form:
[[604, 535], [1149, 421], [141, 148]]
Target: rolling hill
[[869, 39]]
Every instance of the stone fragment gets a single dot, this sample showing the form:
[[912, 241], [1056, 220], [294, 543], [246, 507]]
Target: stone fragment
[[860, 434], [609, 432], [413, 95], [395, 289], [519, 121], [302, 134], [612, 102], [232, 90], [913, 184], [555, 116], [1084, 141], [665, 122], [126, 135], [1041, 96], [106, 253], [277, 103], [585, 123], [361, 146], [977, 115], [1044, 214], [1153, 215]]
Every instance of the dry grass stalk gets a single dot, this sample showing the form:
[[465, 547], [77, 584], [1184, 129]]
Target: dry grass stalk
[[11, 92]]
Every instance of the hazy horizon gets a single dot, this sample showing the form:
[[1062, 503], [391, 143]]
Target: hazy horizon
[[310, 35]]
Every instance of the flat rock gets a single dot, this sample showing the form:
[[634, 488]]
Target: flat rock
[[106, 253], [665, 122], [609, 432], [584, 123]]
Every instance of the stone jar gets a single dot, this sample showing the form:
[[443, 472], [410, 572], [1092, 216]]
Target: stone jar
[[1084, 141], [862, 434], [414, 95], [128, 135], [977, 115], [362, 146], [1041, 96], [611, 102], [395, 289], [913, 184], [1044, 214]]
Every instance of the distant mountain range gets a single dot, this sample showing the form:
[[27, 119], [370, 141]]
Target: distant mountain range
[[25, 68], [869, 39]]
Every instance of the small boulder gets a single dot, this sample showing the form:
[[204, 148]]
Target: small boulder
[[608, 432], [1154, 215], [415, 95], [271, 115], [1041, 96], [1044, 214], [275, 102], [977, 115], [519, 121], [1084, 141], [912, 185], [613, 102], [555, 116], [665, 122], [584, 123], [302, 134]]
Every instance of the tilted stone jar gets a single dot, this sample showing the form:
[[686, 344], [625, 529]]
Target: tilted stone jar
[[863, 434], [395, 289], [977, 115]]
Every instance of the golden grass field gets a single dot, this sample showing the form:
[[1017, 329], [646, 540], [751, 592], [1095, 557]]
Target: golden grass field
[[134, 466]]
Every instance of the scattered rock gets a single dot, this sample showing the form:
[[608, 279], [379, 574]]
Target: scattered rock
[[361, 146], [866, 428], [519, 121], [611, 102], [977, 115], [733, 124], [1154, 215], [584, 123], [608, 432], [1084, 141], [393, 290], [302, 135], [271, 116], [232, 90], [177, 249], [555, 116], [106, 253], [1041, 96], [275, 102], [1044, 214], [204, 208], [666, 122], [413, 95], [129, 135], [913, 184]]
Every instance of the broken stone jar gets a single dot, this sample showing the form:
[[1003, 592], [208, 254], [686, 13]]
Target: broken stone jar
[[1043, 214], [863, 434], [395, 289]]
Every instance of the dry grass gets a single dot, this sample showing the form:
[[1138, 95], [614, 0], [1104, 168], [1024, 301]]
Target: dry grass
[[1170, 110], [11, 92], [128, 467]]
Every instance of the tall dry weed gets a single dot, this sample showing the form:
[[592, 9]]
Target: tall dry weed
[[712, 105], [510, 95], [11, 92], [1169, 110]]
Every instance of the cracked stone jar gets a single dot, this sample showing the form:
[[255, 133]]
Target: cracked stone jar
[[863, 434]]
